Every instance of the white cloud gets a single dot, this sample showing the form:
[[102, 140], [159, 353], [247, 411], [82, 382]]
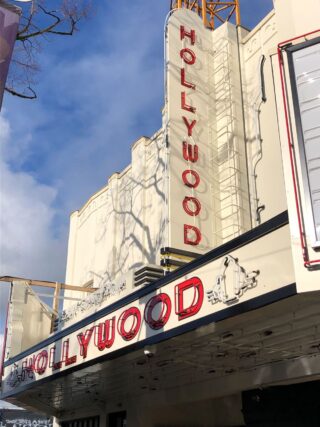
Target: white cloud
[[28, 246]]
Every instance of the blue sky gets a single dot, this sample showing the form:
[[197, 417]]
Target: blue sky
[[98, 92]]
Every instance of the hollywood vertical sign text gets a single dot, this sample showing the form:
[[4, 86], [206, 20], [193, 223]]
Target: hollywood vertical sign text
[[190, 152]]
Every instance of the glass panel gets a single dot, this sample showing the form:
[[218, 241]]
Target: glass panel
[[118, 419], [306, 65]]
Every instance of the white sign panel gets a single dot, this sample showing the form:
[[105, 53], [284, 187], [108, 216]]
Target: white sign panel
[[188, 50], [234, 278], [305, 72]]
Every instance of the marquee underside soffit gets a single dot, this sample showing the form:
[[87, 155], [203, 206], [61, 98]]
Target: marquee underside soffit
[[278, 342]]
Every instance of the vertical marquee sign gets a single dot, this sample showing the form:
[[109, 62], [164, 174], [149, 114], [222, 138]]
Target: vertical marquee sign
[[9, 20], [188, 46]]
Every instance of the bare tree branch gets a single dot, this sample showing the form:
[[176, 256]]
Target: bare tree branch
[[36, 22], [21, 95]]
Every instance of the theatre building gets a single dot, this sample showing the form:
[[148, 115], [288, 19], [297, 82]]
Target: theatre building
[[192, 293]]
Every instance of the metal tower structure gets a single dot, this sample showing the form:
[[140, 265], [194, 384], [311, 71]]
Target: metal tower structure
[[213, 13]]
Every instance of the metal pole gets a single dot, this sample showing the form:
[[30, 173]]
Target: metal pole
[[56, 297], [238, 19], [204, 12], [55, 304]]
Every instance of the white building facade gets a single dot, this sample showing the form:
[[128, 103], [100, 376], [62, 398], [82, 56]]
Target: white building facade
[[204, 251]]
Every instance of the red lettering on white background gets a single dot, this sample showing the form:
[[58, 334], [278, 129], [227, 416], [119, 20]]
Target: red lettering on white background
[[191, 34], [186, 181], [184, 104], [84, 340], [184, 81], [165, 312], [195, 208], [129, 334], [189, 125], [26, 369], [188, 300], [53, 363], [41, 362], [105, 334], [191, 205], [192, 235], [188, 56], [190, 310], [66, 358], [190, 152], [30, 363]]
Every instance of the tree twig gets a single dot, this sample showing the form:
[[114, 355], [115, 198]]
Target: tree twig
[[22, 95]]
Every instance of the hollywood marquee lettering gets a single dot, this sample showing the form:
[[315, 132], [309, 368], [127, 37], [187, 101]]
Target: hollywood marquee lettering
[[165, 302], [190, 152], [155, 314]]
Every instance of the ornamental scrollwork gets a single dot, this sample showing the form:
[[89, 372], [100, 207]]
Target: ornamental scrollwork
[[227, 292]]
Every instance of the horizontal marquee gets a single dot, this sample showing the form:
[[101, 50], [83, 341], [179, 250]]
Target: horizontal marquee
[[201, 291]]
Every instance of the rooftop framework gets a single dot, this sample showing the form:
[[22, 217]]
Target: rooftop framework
[[213, 13]]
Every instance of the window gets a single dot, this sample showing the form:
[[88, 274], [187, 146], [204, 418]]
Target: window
[[83, 422]]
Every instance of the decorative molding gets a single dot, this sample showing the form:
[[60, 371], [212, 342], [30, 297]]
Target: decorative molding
[[93, 300], [242, 281]]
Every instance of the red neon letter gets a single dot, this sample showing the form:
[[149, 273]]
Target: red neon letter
[[197, 206], [188, 56], [52, 363], [188, 154], [184, 33], [184, 104], [31, 363], [135, 325], [84, 341], [183, 80], [65, 354], [190, 126], [186, 180], [165, 312], [105, 334], [41, 362], [197, 300], [192, 235], [27, 370]]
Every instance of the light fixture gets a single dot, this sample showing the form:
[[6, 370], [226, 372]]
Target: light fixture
[[148, 353]]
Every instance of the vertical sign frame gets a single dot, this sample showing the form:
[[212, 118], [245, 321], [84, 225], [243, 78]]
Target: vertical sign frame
[[188, 48]]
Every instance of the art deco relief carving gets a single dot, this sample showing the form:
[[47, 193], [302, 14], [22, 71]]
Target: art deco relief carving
[[232, 282]]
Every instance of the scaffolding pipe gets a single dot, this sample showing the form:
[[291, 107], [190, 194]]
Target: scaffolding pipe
[[204, 12]]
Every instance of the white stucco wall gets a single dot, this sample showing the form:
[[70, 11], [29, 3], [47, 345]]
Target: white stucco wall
[[122, 226]]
